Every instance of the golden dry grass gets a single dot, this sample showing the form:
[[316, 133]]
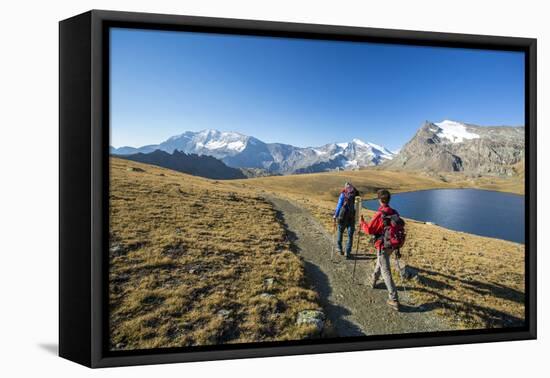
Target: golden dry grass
[[476, 282], [192, 260], [325, 186], [473, 281]]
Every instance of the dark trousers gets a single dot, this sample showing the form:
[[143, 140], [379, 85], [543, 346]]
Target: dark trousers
[[342, 227]]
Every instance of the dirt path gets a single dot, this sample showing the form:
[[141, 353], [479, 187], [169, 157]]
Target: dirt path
[[353, 307]]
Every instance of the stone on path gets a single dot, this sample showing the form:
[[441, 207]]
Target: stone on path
[[314, 317]]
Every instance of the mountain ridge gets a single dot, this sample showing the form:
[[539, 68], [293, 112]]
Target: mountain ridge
[[242, 151], [446, 146]]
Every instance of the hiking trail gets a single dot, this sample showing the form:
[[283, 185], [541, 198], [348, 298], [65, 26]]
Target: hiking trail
[[353, 307]]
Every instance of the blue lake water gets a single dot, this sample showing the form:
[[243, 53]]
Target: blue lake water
[[481, 212]]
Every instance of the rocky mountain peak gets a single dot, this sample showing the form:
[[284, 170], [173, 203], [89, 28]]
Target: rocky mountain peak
[[456, 146]]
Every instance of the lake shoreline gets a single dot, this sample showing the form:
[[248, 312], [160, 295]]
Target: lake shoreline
[[473, 211], [373, 196]]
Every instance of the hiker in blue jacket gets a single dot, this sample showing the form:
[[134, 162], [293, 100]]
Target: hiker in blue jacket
[[344, 215]]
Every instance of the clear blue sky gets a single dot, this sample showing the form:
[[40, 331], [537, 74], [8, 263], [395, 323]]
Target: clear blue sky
[[302, 92]]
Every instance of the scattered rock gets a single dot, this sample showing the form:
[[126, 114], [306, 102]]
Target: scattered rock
[[116, 250], [119, 249], [135, 169], [267, 296], [314, 317], [430, 223], [269, 282], [223, 313]]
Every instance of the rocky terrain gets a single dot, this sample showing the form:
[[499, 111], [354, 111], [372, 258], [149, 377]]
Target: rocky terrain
[[451, 146]]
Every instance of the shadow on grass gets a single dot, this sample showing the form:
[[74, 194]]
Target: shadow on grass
[[483, 288], [489, 316]]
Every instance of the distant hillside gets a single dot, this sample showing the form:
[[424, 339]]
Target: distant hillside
[[196, 165], [451, 146]]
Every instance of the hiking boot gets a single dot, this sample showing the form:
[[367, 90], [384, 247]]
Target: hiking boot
[[348, 257], [393, 304], [340, 252]]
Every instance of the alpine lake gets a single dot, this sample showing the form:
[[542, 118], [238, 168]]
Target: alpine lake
[[480, 212]]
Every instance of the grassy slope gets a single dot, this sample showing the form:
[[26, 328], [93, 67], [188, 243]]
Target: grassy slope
[[189, 260], [475, 282], [325, 186]]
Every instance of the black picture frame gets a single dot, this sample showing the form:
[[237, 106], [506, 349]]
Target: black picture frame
[[84, 184]]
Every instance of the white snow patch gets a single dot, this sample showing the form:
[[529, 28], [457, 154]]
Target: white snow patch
[[219, 144], [214, 144], [342, 145], [238, 145], [351, 164], [376, 147], [455, 132], [360, 142]]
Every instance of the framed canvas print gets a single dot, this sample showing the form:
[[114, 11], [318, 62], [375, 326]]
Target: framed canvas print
[[234, 188]]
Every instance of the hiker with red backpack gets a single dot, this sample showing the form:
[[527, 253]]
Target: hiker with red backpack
[[389, 234], [344, 216]]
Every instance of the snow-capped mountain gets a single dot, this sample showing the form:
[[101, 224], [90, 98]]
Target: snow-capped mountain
[[242, 151], [355, 154], [207, 142], [458, 146]]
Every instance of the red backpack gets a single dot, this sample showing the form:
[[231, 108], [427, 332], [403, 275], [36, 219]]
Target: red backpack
[[347, 211], [394, 231]]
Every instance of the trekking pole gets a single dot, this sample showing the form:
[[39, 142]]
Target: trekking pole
[[333, 239], [358, 206], [356, 253]]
